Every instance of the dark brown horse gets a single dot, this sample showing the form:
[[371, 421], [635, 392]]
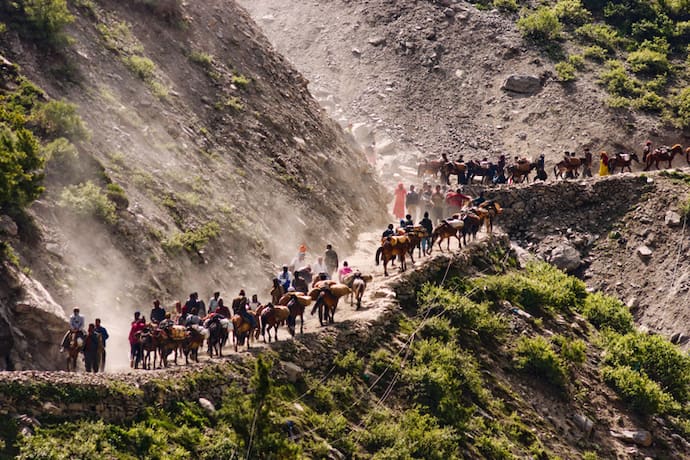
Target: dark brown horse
[[296, 304], [149, 344], [216, 337], [73, 349], [663, 154], [476, 169], [431, 167], [273, 316], [327, 301], [622, 161], [472, 223], [390, 248]]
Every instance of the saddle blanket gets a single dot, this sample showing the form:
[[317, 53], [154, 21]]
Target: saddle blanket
[[179, 332], [455, 223]]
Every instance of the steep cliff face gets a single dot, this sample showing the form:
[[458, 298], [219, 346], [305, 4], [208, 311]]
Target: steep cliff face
[[216, 161]]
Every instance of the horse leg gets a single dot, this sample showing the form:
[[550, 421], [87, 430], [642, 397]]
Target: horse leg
[[301, 324], [385, 265]]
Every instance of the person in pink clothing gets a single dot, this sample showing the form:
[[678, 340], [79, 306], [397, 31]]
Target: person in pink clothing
[[399, 206], [346, 270]]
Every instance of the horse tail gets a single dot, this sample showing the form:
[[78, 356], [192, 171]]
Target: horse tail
[[379, 251]]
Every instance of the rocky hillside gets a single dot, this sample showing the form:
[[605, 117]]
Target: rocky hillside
[[201, 161], [434, 77]]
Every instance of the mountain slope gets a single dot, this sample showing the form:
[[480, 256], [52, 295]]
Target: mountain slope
[[222, 162]]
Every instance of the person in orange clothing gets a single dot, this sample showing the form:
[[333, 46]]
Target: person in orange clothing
[[399, 205]]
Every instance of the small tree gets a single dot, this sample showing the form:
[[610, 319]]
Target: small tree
[[20, 169]]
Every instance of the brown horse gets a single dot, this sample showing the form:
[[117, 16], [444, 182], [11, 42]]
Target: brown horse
[[563, 168], [169, 342], [296, 303], [191, 344], [663, 154], [242, 330], [349, 281], [273, 316], [451, 168], [471, 225], [415, 234], [519, 172], [327, 301], [620, 161], [445, 231], [390, 248], [487, 173], [73, 349], [429, 167], [487, 212], [148, 342]]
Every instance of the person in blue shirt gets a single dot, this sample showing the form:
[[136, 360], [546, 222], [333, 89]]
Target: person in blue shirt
[[104, 336]]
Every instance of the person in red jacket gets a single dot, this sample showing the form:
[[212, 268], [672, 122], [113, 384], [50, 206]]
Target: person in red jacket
[[456, 201], [135, 347]]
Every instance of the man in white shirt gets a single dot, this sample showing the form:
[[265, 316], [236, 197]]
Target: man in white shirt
[[213, 302], [76, 324], [319, 267]]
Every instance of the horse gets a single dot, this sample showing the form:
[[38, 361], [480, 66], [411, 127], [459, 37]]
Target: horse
[[572, 166], [456, 168], [487, 173], [358, 287], [273, 316], [216, 337], [429, 167], [487, 211], [687, 155], [471, 224], [391, 247], [415, 234], [242, 330], [445, 231], [171, 339], [190, 345], [73, 349], [296, 304], [519, 172], [327, 298], [620, 161], [663, 154], [148, 343]]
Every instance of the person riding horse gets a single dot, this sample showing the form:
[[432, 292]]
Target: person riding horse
[[76, 326], [239, 307]]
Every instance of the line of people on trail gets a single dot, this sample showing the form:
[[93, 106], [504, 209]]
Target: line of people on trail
[[91, 342]]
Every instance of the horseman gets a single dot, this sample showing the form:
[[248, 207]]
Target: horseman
[[587, 168], [299, 283], [223, 310], [239, 307], [478, 200], [157, 313], [92, 345], [646, 150], [76, 326]]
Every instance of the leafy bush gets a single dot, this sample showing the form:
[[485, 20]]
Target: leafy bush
[[572, 351], [117, 195], [240, 80], [20, 169], [506, 5], [648, 61], [201, 58], [46, 18], [60, 152], [541, 25], [565, 71], [577, 61], [192, 240], [89, 200], [642, 393], [595, 53], [650, 101], [142, 67], [572, 12], [60, 119], [493, 448], [535, 356], [349, 363], [617, 80], [681, 105], [655, 357], [601, 35], [607, 312]]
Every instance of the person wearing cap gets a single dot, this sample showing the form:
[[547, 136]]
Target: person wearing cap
[[76, 324], [285, 278], [213, 302], [157, 313]]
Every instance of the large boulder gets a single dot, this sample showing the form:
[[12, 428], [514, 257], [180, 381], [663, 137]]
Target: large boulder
[[522, 84], [566, 258], [672, 219]]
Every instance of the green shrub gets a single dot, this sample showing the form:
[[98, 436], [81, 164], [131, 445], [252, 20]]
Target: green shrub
[[595, 53], [142, 67], [572, 351], [20, 169], [506, 5], [535, 356], [240, 80], [684, 207], [60, 119], [349, 363], [601, 35], [572, 12], [118, 37], [117, 195], [577, 61], [493, 448], [643, 394], [617, 80], [88, 199], [201, 58], [46, 18], [681, 106], [60, 152], [607, 312], [655, 357], [192, 240], [648, 61], [541, 25], [650, 102], [565, 71]]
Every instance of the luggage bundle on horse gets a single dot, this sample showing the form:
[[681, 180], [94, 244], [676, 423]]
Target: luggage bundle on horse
[[178, 332]]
